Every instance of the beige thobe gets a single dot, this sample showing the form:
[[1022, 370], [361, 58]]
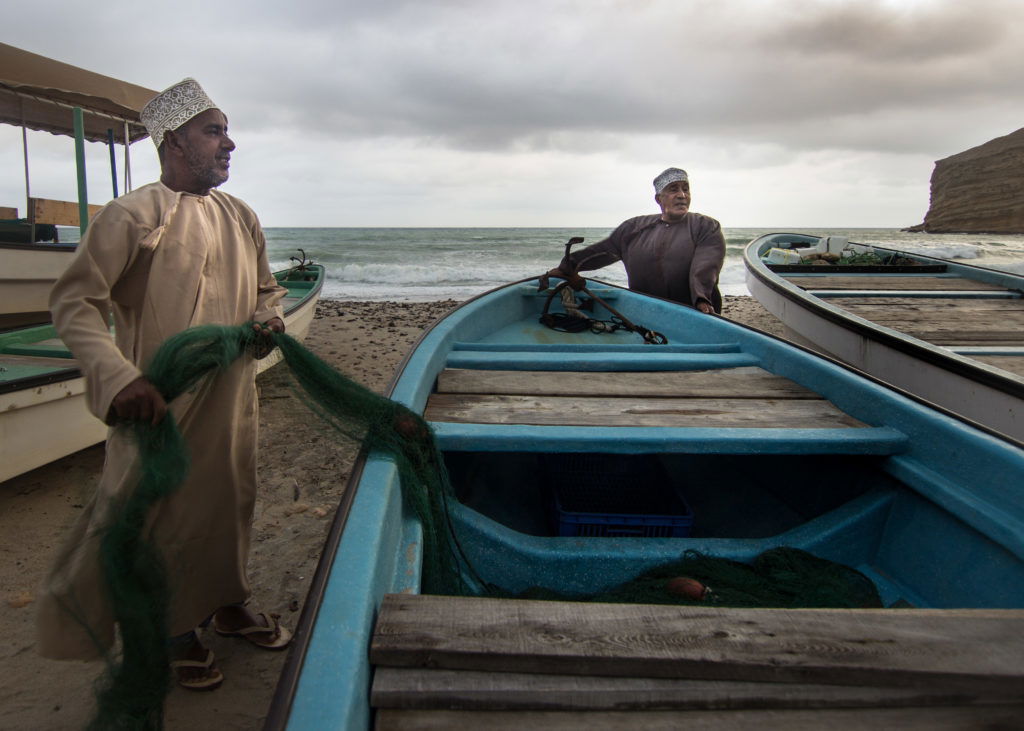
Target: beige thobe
[[161, 262]]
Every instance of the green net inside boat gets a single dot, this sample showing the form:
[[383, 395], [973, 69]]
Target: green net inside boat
[[137, 682]]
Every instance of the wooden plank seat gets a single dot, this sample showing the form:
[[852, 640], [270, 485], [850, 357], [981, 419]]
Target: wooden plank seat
[[731, 398], [979, 650], [790, 719], [529, 657], [741, 382], [944, 321], [778, 413], [888, 282], [60, 213], [437, 689]]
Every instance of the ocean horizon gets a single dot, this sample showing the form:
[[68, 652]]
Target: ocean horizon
[[422, 264], [425, 264]]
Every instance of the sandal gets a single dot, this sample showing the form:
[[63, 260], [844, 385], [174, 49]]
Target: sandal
[[270, 635], [209, 680]]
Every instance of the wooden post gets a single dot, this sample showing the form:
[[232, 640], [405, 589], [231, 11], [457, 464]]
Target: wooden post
[[83, 194]]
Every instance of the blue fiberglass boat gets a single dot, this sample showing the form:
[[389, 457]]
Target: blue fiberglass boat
[[763, 444]]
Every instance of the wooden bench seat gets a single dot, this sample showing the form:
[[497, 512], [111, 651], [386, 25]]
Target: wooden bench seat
[[746, 397], [467, 661]]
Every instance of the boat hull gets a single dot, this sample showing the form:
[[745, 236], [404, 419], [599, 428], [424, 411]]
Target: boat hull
[[46, 393], [56, 410], [27, 274], [907, 498]]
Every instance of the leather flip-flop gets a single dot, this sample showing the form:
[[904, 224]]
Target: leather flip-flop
[[209, 680], [269, 636]]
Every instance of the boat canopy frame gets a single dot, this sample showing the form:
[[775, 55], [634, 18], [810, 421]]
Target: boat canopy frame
[[43, 94]]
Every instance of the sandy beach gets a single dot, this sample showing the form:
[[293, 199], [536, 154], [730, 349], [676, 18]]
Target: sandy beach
[[364, 340]]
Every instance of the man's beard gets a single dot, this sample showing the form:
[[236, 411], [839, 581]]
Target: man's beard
[[206, 172]]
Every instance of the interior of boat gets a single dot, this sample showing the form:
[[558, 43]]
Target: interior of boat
[[585, 522]]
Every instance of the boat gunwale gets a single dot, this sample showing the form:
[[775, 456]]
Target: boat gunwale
[[61, 247], [907, 344], [288, 680]]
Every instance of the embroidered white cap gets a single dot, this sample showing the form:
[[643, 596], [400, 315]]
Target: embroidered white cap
[[174, 106]]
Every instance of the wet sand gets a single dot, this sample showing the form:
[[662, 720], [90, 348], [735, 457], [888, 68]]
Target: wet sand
[[364, 340]]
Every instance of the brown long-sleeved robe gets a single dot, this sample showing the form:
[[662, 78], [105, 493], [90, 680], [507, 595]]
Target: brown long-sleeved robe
[[680, 261], [163, 261]]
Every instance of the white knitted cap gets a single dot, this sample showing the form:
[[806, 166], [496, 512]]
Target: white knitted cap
[[174, 106]]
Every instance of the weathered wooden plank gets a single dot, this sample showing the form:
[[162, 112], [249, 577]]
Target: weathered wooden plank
[[744, 382], [890, 282], [952, 318], [944, 321], [1009, 321], [475, 690], [591, 411], [8, 213], [931, 304], [981, 650], [61, 213], [905, 719]]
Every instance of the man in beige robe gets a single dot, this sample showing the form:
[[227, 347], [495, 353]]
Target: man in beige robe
[[168, 256]]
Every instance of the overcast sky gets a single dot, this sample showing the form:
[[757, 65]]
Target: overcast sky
[[786, 113]]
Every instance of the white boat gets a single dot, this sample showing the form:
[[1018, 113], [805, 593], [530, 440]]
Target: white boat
[[43, 414], [39, 93], [950, 333], [27, 274]]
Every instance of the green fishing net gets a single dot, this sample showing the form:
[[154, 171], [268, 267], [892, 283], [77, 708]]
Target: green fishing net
[[781, 578], [132, 694], [136, 684]]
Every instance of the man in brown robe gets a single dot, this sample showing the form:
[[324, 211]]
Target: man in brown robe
[[677, 255], [168, 256]]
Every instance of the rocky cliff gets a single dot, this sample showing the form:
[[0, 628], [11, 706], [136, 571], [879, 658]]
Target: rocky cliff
[[980, 190]]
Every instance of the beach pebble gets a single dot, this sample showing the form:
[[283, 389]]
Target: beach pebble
[[20, 600]]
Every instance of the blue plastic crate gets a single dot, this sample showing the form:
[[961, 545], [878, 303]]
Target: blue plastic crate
[[621, 524], [615, 495]]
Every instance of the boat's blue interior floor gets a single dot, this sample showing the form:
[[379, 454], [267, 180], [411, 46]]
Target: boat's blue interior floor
[[845, 509], [730, 496]]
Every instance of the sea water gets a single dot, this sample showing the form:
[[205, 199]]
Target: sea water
[[423, 264]]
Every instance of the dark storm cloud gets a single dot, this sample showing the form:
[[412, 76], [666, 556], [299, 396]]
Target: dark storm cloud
[[505, 75], [354, 97]]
